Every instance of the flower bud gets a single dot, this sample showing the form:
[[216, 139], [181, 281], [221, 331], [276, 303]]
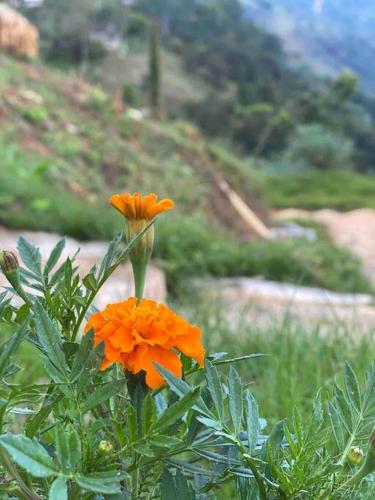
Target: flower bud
[[355, 455], [8, 262], [142, 249], [105, 447], [11, 269]]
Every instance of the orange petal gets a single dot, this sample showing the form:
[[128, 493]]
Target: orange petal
[[161, 206], [117, 201], [190, 344], [146, 355]]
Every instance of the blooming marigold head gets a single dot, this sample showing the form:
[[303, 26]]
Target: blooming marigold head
[[138, 334], [138, 207]]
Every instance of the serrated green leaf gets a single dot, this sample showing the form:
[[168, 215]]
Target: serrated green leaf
[[10, 346], [369, 391], [90, 367], [30, 255], [58, 490], [90, 282], [214, 386], [148, 413], [29, 455], [352, 386], [163, 441], [68, 449], [84, 348], [235, 399], [273, 443], [49, 403], [336, 426], [107, 483], [181, 388], [252, 421], [177, 410], [54, 256], [49, 338], [318, 418], [342, 406], [103, 393]]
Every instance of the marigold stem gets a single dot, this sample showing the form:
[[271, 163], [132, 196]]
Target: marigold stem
[[139, 273]]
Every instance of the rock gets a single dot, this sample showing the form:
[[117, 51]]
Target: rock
[[17, 34], [118, 287], [293, 230]]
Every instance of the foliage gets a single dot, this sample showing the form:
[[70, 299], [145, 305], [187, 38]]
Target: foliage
[[315, 146], [83, 432], [154, 76], [319, 345], [318, 263], [343, 190], [130, 94]]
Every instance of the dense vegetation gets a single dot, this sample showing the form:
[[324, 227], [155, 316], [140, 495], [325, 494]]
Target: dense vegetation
[[250, 94], [68, 147]]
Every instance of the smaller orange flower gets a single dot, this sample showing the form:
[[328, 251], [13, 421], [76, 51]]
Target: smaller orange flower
[[138, 207], [138, 333]]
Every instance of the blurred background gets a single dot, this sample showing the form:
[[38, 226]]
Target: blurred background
[[256, 116]]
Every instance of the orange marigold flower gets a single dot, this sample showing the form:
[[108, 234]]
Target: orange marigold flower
[[138, 207], [136, 334]]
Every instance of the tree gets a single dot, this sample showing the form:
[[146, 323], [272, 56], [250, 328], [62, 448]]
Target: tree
[[155, 69]]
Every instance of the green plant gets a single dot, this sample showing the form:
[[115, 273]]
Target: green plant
[[130, 94], [83, 432], [315, 146], [217, 253], [34, 114], [154, 69], [311, 189]]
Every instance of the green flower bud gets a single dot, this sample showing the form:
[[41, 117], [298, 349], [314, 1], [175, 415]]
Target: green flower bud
[[8, 262], [105, 447], [11, 269], [355, 455]]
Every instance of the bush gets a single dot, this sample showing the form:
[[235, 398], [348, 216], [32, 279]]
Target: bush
[[130, 94], [316, 146], [34, 114], [192, 247], [312, 189]]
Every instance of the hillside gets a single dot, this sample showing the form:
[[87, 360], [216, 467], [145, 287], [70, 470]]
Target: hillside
[[69, 144], [328, 35]]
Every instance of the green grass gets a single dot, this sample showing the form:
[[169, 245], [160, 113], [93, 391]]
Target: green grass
[[302, 358], [312, 189], [193, 246]]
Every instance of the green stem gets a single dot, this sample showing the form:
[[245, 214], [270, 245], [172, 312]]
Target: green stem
[[139, 273], [12, 470]]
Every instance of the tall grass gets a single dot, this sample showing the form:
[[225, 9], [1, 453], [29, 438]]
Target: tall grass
[[301, 358]]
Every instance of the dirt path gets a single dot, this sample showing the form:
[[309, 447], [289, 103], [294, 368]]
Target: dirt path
[[354, 230]]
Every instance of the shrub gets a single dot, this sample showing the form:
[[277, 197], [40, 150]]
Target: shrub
[[315, 146], [212, 252], [311, 189], [130, 94], [34, 114]]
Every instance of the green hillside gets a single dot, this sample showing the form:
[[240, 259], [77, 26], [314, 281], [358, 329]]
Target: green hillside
[[65, 148], [63, 141]]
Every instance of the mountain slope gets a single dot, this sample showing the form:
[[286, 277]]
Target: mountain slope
[[69, 145], [327, 34]]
